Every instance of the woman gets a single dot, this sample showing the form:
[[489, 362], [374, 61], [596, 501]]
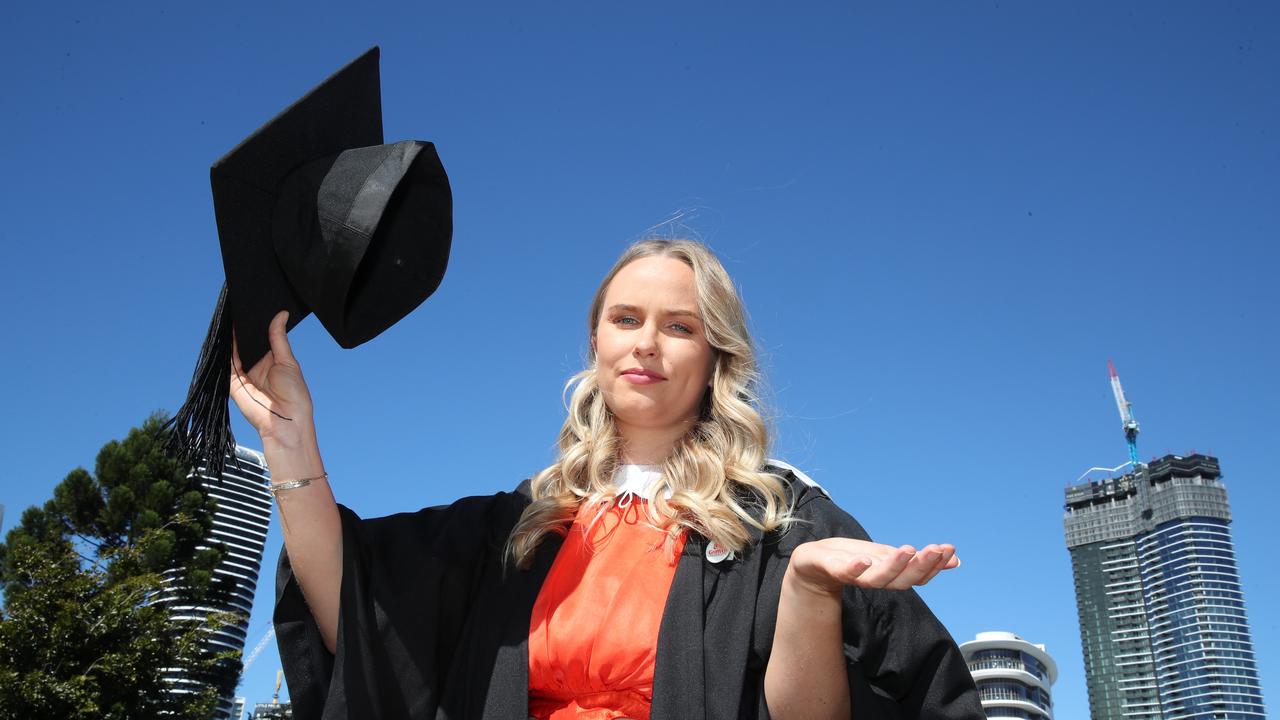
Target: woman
[[661, 567]]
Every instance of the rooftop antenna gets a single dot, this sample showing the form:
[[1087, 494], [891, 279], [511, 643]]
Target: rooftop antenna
[[1127, 422]]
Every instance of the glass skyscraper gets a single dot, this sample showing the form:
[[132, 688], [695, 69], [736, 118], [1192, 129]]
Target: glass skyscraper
[[240, 525], [1162, 616]]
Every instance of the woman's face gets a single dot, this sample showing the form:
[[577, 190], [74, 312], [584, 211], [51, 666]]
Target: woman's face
[[653, 362]]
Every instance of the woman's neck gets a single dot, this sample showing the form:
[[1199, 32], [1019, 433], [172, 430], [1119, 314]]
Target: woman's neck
[[648, 446]]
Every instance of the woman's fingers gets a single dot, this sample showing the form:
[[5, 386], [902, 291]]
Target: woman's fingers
[[925, 566], [917, 569], [846, 568], [889, 567], [946, 562], [278, 337], [251, 391], [236, 368]]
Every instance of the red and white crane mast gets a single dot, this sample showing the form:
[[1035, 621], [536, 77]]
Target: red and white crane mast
[[1127, 422]]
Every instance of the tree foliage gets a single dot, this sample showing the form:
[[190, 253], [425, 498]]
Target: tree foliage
[[81, 633]]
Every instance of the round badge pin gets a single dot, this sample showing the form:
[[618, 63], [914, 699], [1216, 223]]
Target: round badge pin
[[717, 553]]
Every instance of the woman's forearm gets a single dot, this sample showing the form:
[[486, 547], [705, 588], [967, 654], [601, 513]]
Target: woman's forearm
[[806, 676], [312, 528]]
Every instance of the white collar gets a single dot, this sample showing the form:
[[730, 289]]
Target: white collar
[[636, 480]]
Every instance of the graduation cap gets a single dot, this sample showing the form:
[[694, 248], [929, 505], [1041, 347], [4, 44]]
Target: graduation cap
[[315, 215]]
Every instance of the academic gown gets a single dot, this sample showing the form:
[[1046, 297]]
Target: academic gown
[[435, 625]]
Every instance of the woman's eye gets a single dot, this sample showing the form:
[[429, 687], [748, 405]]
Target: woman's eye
[[625, 320], [681, 328]]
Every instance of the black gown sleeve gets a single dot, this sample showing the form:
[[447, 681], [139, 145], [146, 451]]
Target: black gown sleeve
[[407, 583], [902, 663]]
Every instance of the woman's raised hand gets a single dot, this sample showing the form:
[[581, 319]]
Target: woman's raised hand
[[272, 394], [275, 400], [830, 564]]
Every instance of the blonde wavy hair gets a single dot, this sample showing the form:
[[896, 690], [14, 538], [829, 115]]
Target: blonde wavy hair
[[714, 482]]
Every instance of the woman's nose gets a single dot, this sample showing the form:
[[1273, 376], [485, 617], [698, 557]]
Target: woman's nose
[[646, 343]]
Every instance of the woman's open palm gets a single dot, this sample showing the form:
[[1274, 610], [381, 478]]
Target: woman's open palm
[[272, 394], [832, 563]]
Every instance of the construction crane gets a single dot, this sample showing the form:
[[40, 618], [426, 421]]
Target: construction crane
[[257, 650], [1126, 415]]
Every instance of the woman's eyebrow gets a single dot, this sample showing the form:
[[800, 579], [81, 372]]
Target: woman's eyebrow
[[677, 312]]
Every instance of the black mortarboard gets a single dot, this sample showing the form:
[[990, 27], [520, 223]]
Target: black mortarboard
[[315, 214]]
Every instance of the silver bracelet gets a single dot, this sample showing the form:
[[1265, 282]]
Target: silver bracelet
[[274, 488]]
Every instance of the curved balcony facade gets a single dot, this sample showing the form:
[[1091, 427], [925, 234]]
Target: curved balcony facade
[[240, 526], [1014, 677]]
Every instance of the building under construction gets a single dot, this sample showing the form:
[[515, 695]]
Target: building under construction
[[272, 711], [1162, 615]]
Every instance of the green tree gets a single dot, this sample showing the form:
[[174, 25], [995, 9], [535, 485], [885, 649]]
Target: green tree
[[81, 633]]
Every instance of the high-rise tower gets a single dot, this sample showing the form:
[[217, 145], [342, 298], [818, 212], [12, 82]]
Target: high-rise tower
[[240, 525], [1162, 616]]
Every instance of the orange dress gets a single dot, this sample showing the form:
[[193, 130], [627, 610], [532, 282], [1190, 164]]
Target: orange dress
[[593, 635]]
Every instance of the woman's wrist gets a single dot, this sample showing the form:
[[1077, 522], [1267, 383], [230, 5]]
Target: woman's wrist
[[295, 465], [289, 434], [810, 594], [293, 458]]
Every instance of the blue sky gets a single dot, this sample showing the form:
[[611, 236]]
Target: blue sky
[[944, 218]]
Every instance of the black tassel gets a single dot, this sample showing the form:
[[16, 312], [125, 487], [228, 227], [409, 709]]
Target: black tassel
[[201, 434]]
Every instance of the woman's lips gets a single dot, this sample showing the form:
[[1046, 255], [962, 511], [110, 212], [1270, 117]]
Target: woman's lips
[[638, 376]]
